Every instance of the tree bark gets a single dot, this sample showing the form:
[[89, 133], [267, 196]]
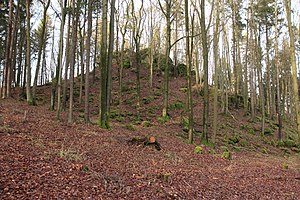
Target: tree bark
[[88, 59], [104, 117], [294, 68], [28, 53], [204, 137], [44, 23]]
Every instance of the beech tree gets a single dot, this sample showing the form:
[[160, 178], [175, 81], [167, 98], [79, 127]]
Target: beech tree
[[41, 45], [189, 79], [88, 60], [6, 85], [287, 4], [169, 18], [28, 55], [103, 113]]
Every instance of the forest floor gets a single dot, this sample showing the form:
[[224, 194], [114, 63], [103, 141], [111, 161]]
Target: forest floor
[[43, 158]]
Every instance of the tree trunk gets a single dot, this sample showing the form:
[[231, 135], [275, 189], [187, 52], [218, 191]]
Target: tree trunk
[[88, 59], [28, 58], [75, 19], [57, 81], [189, 79], [110, 56], [104, 121], [277, 76], [9, 41], [294, 67], [68, 51], [82, 35], [44, 23], [204, 136], [216, 79]]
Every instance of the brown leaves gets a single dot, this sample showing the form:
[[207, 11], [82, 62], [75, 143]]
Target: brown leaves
[[109, 168]]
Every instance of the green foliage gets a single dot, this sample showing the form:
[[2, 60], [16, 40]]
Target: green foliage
[[176, 105], [243, 143], [212, 151], [85, 168], [264, 151], [147, 100], [234, 139], [125, 88], [130, 127], [182, 69], [249, 129], [145, 53], [157, 93], [268, 131], [236, 148], [224, 148], [286, 143], [198, 150], [185, 124], [147, 124], [117, 115], [76, 93], [160, 62], [163, 120], [128, 102], [285, 166], [227, 155], [126, 64], [94, 112]]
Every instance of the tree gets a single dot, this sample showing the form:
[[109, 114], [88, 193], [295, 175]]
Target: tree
[[123, 30], [103, 113], [56, 82], [28, 53], [216, 62], [88, 59], [137, 23], [41, 45], [277, 75], [68, 51], [9, 41], [294, 68], [110, 54], [204, 136], [189, 79], [168, 18], [75, 19]]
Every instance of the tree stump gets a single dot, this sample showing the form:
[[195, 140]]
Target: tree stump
[[145, 141]]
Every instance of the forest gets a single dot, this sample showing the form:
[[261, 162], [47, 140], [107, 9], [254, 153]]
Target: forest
[[149, 99]]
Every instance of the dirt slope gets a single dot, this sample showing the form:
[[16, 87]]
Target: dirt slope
[[43, 158]]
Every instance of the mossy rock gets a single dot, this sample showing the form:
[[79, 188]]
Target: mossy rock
[[198, 150], [234, 139], [227, 155], [224, 148], [285, 166]]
